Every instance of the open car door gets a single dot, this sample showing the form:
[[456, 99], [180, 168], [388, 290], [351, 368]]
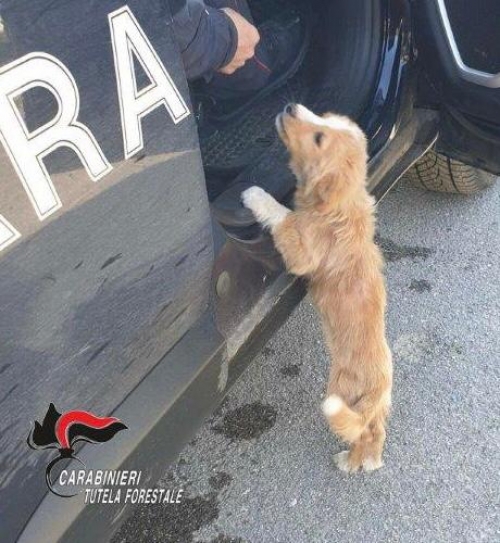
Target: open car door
[[459, 52], [106, 248]]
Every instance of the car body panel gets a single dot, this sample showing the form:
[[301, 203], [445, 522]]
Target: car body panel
[[459, 62], [94, 295]]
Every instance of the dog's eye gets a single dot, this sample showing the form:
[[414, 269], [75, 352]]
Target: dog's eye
[[318, 138]]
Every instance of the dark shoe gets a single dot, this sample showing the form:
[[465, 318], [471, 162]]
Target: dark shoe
[[281, 50]]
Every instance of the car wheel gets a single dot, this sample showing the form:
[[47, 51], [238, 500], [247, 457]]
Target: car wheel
[[439, 173]]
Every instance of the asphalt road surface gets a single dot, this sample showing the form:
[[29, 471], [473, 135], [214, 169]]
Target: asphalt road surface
[[261, 469]]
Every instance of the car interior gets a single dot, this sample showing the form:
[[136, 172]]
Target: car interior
[[345, 43]]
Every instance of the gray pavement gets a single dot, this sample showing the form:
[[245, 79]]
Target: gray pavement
[[261, 469]]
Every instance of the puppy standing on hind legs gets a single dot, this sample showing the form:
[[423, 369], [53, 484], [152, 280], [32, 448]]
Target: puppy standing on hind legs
[[328, 238]]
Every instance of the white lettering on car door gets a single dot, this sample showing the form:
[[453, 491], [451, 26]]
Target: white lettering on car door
[[129, 39], [8, 234], [27, 149]]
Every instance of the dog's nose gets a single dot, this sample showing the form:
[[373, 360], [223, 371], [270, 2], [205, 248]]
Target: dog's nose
[[290, 109]]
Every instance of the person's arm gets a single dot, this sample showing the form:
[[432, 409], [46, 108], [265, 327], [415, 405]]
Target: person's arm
[[247, 39], [212, 40]]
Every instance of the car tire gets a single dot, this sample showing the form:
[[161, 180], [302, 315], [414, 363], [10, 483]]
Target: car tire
[[440, 173]]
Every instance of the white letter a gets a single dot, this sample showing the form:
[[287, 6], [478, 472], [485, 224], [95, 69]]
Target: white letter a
[[129, 39]]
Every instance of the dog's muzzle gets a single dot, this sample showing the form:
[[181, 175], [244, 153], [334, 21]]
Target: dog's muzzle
[[290, 110]]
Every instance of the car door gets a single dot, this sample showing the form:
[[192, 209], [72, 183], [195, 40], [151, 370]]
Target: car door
[[458, 51], [106, 247]]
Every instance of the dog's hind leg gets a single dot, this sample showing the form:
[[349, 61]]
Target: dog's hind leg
[[366, 453], [370, 452], [362, 426]]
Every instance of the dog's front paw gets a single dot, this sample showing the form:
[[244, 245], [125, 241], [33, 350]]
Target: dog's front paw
[[254, 198], [265, 208]]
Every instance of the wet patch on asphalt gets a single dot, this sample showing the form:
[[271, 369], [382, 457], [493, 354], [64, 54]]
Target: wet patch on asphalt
[[220, 480], [175, 523], [178, 523], [268, 351], [290, 370], [222, 538], [420, 285], [247, 422], [394, 252]]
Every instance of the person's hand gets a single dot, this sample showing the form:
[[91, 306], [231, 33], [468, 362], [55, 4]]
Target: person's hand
[[248, 38]]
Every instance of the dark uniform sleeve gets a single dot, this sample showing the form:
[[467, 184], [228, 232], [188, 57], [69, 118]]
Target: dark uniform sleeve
[[206, 36]]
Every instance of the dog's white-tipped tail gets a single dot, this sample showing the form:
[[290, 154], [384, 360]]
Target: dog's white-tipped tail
[[345, 422], [332, 405]]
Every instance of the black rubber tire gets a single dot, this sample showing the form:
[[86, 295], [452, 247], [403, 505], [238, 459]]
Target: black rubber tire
[[439, 173]]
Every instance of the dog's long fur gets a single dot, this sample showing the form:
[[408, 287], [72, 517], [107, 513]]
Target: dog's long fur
[[329, 240]]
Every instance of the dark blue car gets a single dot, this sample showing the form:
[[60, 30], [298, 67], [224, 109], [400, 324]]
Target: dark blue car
[[133, 284]]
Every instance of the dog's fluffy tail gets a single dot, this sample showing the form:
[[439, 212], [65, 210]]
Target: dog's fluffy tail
[[347, 423]]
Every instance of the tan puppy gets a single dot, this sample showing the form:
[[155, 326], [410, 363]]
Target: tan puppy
[[329, 240]]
